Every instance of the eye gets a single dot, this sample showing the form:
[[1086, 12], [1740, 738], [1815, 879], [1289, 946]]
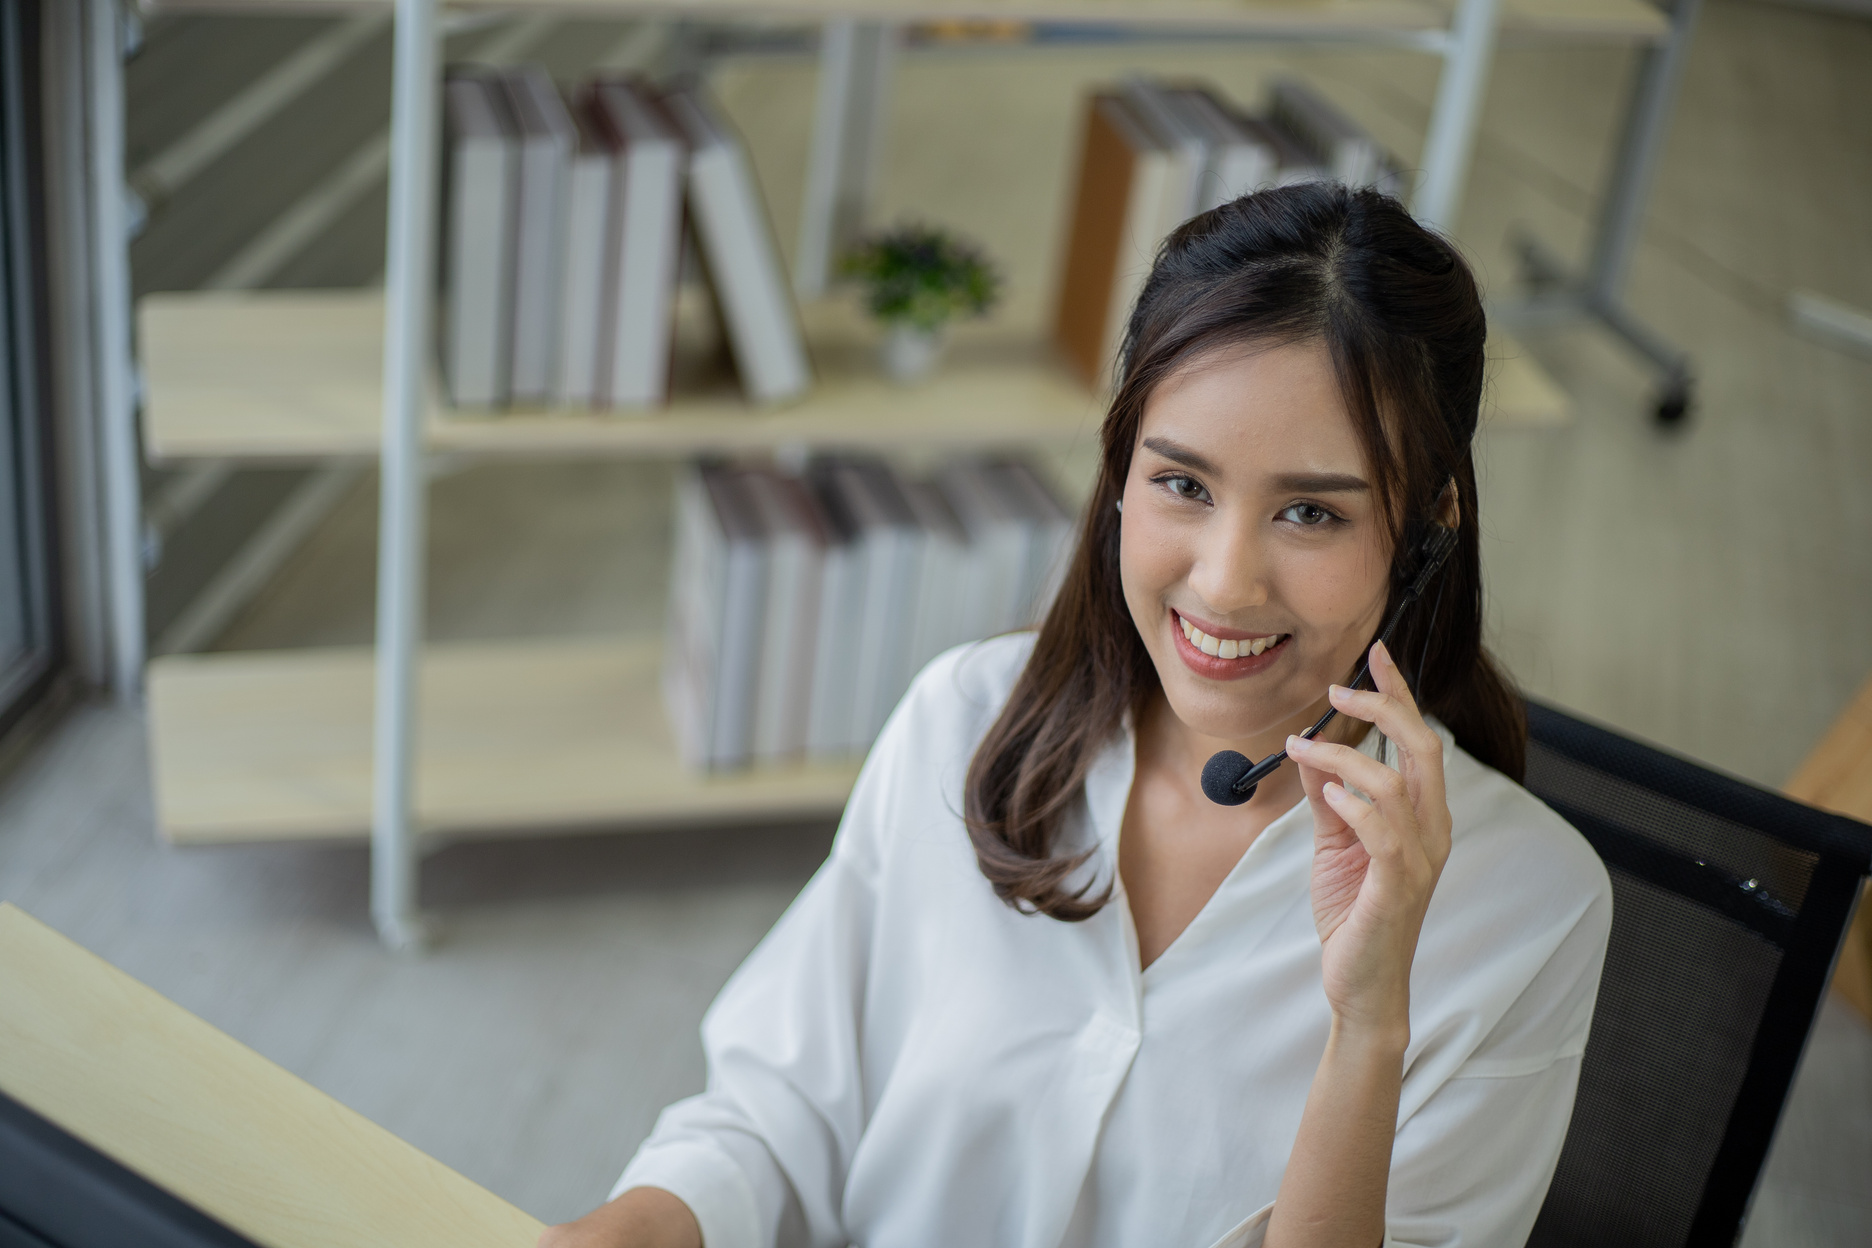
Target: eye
[[1187, 488], [1308, 515]]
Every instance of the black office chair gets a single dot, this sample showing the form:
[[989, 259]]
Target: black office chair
[[1729, 904]]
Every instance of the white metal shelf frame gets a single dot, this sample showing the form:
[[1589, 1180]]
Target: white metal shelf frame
[[408, 266]]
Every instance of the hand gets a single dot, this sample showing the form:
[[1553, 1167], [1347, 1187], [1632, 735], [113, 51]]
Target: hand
[[643, 1217], [1376, 861]]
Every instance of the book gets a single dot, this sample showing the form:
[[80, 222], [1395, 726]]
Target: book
[[737, 246], [1337, 143], [546, 137], [717, 606], [890, 542], [1124, 174], [1049, 538], [644, 247], [1239, 158], [584, 260], [797, 541], [1188, 141], [943, 579], [1294, 162], [998, 538], [482, 154], [842, 590]]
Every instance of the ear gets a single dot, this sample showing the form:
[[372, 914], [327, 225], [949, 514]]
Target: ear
[[1449, 506]]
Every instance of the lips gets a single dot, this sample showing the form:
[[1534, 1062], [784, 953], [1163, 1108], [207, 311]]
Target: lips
[[1216, 657]]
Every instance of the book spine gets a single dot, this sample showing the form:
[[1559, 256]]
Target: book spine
[[649, 246]]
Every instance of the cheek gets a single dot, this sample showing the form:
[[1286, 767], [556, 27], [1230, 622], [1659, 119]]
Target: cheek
[[1337, 590], [1152, 558]]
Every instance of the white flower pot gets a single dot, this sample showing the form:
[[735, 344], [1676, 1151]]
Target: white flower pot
[[910, 353]]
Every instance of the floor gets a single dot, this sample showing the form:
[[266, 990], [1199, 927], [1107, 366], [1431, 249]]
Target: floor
[[1708, 590]]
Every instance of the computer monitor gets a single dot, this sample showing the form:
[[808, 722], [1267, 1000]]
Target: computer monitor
[[56, 1191]]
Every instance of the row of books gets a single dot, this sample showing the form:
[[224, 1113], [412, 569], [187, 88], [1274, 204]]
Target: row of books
[[565, 217], [1156, 154], [802, 604]]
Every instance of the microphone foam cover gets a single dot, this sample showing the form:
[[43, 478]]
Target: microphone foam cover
[[1220, 774]]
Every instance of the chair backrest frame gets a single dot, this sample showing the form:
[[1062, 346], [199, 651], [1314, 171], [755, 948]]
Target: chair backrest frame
[[1809, 936]]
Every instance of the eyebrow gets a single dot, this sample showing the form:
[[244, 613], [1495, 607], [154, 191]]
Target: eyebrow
[[1177, 453], [1321, 483], [1290, 482]]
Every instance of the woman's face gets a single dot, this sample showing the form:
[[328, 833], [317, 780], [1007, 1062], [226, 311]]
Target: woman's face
[[1254, 557]]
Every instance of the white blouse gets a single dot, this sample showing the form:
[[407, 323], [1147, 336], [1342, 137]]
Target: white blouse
[[906, 1062]]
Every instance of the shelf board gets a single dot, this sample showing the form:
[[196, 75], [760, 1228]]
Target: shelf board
[[281, 376], [285, 375], [1598, 19], [516, 737]]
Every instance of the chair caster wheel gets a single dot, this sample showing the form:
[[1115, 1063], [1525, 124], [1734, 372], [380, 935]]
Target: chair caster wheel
[[1672, 407]]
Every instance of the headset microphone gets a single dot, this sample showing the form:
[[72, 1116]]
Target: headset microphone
[[1229, 778]]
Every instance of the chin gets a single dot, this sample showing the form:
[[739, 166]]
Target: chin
[[1237, 710]]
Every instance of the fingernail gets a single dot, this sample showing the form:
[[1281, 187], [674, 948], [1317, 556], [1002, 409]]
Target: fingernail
[[1336, 692], [1298, 745], [1383, 655], [1331, 789]]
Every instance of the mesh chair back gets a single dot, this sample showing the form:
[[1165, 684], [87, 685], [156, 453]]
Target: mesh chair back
[[1729, 903]]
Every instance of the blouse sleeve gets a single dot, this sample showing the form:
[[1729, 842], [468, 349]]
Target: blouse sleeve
[[763, 1151], [1471, 1164]]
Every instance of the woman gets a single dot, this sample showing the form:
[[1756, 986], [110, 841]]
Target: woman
[[1044, 993]]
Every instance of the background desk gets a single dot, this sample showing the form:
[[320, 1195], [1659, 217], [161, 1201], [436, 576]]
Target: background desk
[[1837, 776], [195, 1112]]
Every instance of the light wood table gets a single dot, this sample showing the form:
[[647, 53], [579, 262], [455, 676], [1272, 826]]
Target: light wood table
[[211, 1121], [1837, 776]]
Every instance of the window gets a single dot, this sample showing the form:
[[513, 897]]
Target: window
[[27, 639]]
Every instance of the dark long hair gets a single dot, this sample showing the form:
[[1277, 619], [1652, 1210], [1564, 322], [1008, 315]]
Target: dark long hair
[[1402, 319]]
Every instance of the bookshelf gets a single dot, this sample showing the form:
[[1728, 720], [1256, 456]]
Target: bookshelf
[[408, 741]]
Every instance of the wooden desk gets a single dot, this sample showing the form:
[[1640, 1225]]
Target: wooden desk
[[1837, 776], [151, 1085]]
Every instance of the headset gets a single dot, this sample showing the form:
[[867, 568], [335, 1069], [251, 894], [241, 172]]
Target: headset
[[1229, 778]]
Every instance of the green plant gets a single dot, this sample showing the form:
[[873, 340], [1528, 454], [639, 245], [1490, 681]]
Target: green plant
[[922, 276]]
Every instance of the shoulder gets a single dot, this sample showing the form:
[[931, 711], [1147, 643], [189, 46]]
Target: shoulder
[[1504, 837], [960, 693], [911, 786]]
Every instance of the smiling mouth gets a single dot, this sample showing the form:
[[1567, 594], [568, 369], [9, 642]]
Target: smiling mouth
[[1229, 647]]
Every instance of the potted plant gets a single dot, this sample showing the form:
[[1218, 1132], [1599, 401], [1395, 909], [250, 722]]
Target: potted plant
[[918, 279]]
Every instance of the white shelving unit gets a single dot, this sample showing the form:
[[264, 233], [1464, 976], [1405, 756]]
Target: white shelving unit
[[530, 736]]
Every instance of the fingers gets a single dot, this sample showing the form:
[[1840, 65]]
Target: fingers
[[1388, 678], [1327, 825], [1387, 847], [1390, 706], [1386, 788]]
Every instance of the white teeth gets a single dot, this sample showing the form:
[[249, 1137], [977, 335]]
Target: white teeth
[[1230, 649]]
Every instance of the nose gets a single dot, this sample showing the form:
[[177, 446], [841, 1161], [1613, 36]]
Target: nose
[[1230, 571]]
